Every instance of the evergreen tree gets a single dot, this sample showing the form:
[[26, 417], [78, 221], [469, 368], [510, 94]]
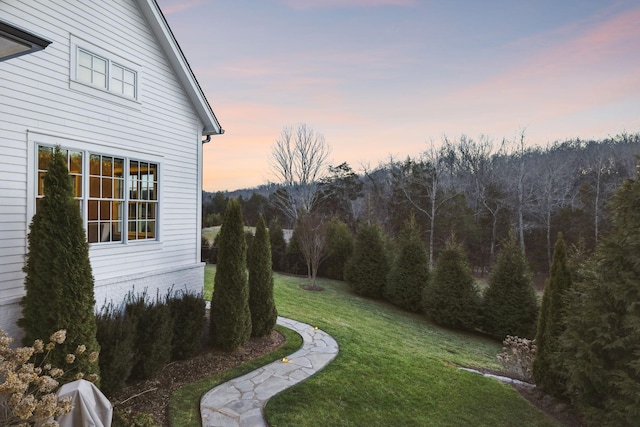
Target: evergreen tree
[[278, 246], [601, 343], [340, 247], [59, 280], [367, 269], [548, 366], [261, 303], [452, 298], [510, 302], [409, 273], [230, 324]]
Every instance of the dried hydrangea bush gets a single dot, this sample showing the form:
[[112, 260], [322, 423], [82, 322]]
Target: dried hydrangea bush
[[28, 392]]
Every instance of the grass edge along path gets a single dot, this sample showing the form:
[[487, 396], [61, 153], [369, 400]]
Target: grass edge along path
[[184, 407]]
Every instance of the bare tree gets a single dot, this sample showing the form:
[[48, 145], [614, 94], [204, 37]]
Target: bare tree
[[421, 182], [312, 235], [298, 160]]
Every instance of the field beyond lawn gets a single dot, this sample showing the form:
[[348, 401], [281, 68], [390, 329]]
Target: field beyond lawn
[[394, 368]]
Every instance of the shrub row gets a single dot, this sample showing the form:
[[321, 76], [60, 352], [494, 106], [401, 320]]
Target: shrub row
[[140, 336]]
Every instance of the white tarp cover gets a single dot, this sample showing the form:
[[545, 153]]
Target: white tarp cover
[[90, 407]]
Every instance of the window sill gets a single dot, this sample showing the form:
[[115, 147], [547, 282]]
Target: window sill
[[105, 95]]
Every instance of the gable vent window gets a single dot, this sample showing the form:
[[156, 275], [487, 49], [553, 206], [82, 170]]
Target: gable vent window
[[99, 72]]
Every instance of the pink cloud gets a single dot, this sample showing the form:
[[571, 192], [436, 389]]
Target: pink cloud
[[328, 4], [180, 6]]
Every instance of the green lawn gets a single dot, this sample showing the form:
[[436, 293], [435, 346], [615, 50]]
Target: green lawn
[[394, 368]]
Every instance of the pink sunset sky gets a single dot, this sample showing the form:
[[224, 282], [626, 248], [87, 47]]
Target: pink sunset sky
[[381, 78]]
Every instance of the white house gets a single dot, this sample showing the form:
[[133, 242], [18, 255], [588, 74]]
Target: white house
[[107, 81]]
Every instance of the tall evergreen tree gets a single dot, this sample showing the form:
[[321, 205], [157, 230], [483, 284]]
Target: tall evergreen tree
[[261, 303], [548, 366], [601, 343], [409, 273], [230, 324], [510, 305], [278, 246], [452, 298], [367, 269], [59, 279], [340, 247]]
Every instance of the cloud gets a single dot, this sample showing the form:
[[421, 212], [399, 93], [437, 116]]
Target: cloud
[[344, 4], [180, 6]]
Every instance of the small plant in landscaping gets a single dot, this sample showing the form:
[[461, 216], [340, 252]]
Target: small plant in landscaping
[[117, 338], [188, 314], [27, 391], [517, 357]]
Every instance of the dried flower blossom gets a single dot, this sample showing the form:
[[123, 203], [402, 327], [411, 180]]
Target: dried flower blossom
[[79, 376], [38, 346], [56, 372], [58, 337], [81, 349], [70, 358], [92, 378], [93, 356]]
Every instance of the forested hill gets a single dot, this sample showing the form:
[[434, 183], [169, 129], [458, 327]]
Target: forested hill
[[477, 189]]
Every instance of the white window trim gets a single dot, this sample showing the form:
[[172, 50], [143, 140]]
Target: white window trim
[[36, 137], [105, 94]]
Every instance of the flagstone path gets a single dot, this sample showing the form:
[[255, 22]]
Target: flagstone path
[[240, 402]]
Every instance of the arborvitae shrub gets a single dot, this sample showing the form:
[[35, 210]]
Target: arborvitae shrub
[[510, 305], [278, 246], [340, 244], [154, 331], [117, 338], [261, 303], [230, 325], [409, 273], [296, 263], [601, 343], [548, 366], [248, 238], [451, 298], [367, 269], [188, 315], [59, 281]]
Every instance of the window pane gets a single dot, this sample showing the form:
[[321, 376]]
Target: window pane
[[93, 210], [84, 59], [116, 233], [44, 157], [151, 229], [92, 232], [129, 77], [116, 86], [116, 210], [107, 166], [105, 210], [94, 187], [118, 188], [129, 91], [94, 164], [41, 183], [100, 80], [118, 168], [133, 210], [99, 65], [77, 185], [84, 74], [107, 188], [76, 162]]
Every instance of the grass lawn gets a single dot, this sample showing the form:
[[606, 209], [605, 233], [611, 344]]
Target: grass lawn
[[394, 368]]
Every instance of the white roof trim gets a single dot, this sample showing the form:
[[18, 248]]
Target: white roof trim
[[169, 44]]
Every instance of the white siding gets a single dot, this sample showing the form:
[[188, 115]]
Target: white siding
[[36, 99]]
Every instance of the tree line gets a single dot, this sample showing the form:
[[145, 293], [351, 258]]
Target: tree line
[[477, 189]]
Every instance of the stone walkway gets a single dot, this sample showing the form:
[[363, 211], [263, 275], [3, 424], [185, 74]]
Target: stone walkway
[[240, 401]]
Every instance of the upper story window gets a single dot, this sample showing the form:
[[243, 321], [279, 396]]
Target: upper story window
[[93, 67]]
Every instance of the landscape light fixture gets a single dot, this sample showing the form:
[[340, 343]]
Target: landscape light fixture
[[16, 42]]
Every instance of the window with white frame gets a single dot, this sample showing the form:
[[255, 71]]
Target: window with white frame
[[99, 186], [100, 69]]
